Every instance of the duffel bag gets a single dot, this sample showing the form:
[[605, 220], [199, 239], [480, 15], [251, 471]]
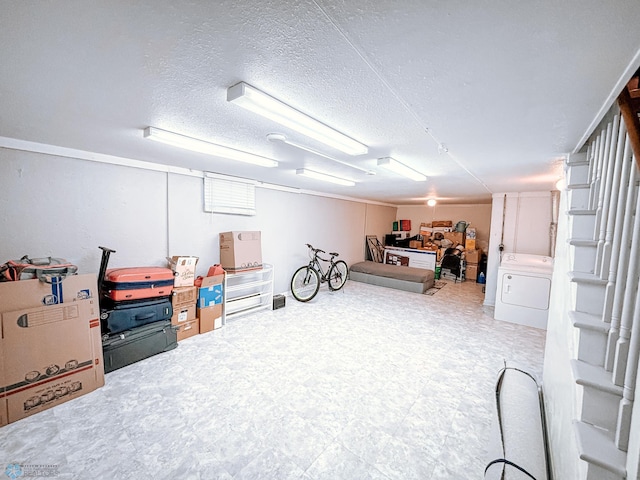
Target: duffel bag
[[44, 269]]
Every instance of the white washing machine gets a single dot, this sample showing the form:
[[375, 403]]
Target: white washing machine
[[524, 288]]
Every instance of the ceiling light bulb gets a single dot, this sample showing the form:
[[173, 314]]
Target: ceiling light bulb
[[400, 168], [196, 145], [431, 202], [305, 172], [258, 102]]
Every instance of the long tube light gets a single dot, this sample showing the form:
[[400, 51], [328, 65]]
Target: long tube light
[[305, 172], [400, 168], [196, 145], [259, 102], [278, 137]]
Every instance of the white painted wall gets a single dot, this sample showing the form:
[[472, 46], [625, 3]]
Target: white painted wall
[[65, 207], [527, 224], [560, 347]]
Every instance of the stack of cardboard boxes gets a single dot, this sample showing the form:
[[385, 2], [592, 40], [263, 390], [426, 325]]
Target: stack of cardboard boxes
[[210, 297], [435, 232], [51, 347], [184, 297], [472, 254]]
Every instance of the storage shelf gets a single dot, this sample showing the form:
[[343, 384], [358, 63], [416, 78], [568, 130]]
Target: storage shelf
[[247, 292], [245, 286]]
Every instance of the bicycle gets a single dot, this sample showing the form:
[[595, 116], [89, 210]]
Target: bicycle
[[306, 281]]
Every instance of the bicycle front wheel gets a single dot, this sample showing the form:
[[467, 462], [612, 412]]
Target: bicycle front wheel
[[305, 284], [338, 275]]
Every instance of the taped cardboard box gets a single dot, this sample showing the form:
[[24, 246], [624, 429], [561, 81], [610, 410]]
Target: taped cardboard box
[[210, 318], [211, 291], [184, 296], [34, 293], [184, 269], [456, 237], [3, 400], [183, 313], [442, 223], [472, 272], [473, 256], [51, 354], [189, 329], [240, 250]]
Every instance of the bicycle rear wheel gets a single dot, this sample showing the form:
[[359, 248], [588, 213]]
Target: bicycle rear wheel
[[305, 284], [338, 275]]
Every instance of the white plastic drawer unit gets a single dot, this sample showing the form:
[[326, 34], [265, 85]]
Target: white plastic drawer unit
[[524, 288]]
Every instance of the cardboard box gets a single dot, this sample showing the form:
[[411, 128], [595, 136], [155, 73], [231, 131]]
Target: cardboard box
[[210, 318], [473, 256], [184, 296], [189, 329], [456, 237], [184, 269], [471, 272], [470, 244], [442, 223], [211, 291], [471, 232], [34, 293], [51, 354], [183, 313], [240, 251], [425, 231], [3, 401], [415, 244]]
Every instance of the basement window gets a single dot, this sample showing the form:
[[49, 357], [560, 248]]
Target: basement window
[[231, 195]]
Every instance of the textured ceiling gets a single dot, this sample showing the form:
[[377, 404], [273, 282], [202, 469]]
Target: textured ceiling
[[482, 96]]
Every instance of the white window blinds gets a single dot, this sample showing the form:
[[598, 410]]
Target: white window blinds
[[232, 195]]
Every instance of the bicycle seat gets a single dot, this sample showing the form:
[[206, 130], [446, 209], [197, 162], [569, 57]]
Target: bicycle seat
[[334, 254]]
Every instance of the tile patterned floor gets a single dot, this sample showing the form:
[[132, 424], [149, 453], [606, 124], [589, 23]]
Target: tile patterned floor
[[365, 383]]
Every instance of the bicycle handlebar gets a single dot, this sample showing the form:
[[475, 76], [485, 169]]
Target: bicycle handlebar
[[315, 250]]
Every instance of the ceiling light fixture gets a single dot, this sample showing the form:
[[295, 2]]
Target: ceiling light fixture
[[196, 145], [431, 202], [400, 168], [258, 102], [278, 137], [305, 172]]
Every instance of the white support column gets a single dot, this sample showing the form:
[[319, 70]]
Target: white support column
[[611, 205], [614, 258], [622, 270], [607, 162]]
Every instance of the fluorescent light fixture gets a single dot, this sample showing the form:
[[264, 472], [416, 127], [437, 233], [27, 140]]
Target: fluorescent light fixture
[[305, 172], [258, 102], [278, 137], [400, 168], [189, 143]]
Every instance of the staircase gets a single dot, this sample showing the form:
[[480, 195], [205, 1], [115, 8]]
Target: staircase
[[604, 306]]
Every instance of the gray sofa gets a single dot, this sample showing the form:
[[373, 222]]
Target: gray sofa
[[410, 279]]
